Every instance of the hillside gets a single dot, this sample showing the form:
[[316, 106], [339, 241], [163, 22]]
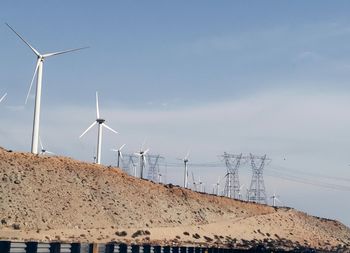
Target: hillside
[[58, 198]]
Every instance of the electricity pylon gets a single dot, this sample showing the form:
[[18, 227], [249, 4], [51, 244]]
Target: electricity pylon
[[153, 167], [257, 191], [232, 187]]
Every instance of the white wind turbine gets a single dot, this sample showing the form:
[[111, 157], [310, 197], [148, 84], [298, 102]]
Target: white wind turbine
[[119, 153], [101, 123], [159, 177], [218, 186], [3, 97], [194, 183], [142, 154], [185, 160], [43, 151], [240, 192], [38, 72], [274, 198]]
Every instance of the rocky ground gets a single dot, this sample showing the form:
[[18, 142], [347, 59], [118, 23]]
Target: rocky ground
[[58, 198]]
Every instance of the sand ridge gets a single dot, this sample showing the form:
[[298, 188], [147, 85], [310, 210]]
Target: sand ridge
[[58, 198]]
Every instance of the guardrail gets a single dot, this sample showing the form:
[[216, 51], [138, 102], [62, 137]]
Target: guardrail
[[60, 247]]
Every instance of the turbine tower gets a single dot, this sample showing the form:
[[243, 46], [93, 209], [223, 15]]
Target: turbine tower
[[101, 123], [38, 72], [257, 191], [3, 97], [232, 186], [119, 153]]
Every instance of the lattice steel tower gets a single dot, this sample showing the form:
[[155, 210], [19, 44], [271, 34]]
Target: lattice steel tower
[[232, 186], [257, 191], [153, 167]]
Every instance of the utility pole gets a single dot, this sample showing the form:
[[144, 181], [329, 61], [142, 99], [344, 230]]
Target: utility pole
[[257, 191]]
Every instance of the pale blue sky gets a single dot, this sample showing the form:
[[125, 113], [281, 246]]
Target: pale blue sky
[[211, 76]]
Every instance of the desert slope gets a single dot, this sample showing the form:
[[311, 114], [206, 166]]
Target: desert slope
[[57, 198]]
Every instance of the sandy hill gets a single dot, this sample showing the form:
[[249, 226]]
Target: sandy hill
[[57, 198]]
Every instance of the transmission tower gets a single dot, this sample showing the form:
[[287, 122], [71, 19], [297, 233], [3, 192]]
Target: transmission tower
[[153, 167], [232, 187], [257, 191]]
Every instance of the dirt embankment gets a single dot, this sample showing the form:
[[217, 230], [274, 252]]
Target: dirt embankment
[[58, 198]]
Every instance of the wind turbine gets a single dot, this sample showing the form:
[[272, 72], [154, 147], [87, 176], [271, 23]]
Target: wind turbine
[[142, 154], [119, 153], [217, 186], [200, 185], [101, 123], [43, 151], [185, 160], [159, 177], [194, 183], [38, 72], [3, 97], [274, 198], [240, 192]]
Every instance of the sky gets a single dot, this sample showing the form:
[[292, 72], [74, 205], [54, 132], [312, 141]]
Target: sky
[[260, 77]]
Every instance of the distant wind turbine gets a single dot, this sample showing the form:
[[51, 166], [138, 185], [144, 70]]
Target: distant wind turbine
[[43, 151], [240, 192], [3, 97], [38, 72], [185, 160], [142, 154], [218, 186], [194, 183], [101, 123], [119, 153], [274, 198]]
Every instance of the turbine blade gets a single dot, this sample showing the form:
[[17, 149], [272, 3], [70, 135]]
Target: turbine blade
[[31, 83], [143, 144], [138, 154], [122, 147], [63, 52], [87, 129], [115, 150], [188, 153], [146, 151], [32, 48], [2, 98], [103, 124], [49, 152], [121, 155], [97, 108]]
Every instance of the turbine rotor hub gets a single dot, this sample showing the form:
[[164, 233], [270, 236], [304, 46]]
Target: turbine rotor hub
[[100, 121]]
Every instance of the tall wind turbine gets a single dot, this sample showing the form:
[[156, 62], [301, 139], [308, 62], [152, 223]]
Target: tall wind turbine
[[142, 154], [119, 153], [101, 123], [38, 72], [3, 97]]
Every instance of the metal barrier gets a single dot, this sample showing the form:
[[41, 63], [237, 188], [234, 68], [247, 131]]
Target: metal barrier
[[18, 247]]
